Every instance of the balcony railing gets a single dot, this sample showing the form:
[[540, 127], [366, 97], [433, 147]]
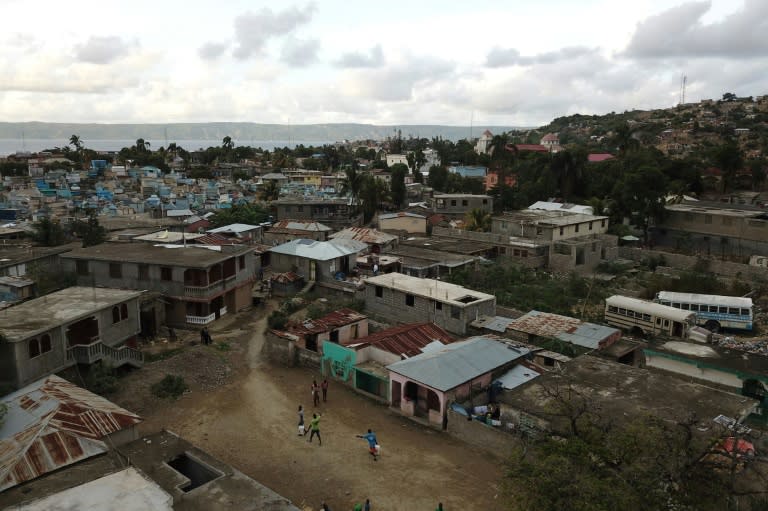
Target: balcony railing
[[200, 320], [116, 357]]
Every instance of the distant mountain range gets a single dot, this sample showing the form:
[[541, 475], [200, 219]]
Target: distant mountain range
[[240, 132]]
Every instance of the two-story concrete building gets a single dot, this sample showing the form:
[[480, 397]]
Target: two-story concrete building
[[713, 228], [75, 325], [399, 299], [199, 283], [457, 205], [565, 241], [335, 213]]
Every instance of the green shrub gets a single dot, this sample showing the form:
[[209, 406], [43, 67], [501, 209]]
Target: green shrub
[[102, 380], [277, 320], [223, 346], [171, 386]]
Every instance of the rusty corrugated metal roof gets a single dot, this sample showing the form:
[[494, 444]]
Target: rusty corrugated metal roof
[[544, 324], [53, 423], [364, 234], [327, 323], [407, 339]]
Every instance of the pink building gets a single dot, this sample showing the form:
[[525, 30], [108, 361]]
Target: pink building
[[423, 385]]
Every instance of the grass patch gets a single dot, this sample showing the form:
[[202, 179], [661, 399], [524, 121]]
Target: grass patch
[[171, 386], [223, 346], [154, 357]]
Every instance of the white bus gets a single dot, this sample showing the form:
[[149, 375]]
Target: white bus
[[649, 318], [713, 312]]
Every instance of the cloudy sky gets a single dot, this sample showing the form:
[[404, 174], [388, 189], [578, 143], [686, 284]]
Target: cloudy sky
[[510, 62]]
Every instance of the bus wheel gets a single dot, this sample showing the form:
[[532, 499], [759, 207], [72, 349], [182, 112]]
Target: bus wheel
[[712, 326]]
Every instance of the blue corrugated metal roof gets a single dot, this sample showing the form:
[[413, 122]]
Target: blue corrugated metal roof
[[458, 363]]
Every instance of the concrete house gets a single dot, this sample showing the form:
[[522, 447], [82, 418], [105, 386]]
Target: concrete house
[[457, 205], [52, 423], [399, 298], [715, 228], [199, 283], [562, 240], [336, 213], [77, 325], [542, 326], [362, 362], [528, 407], [339, 327], [423, 385], [165, 473], [320, 261], [410, 223]]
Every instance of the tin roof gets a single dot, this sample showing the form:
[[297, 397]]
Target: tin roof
[[389, 216], [588, 335], [409, 340], [364, 234], [458, 363], [53, 423], [290, 226], [320, 250], [516, 377], [234, 229], [544, 324], [327, 323]]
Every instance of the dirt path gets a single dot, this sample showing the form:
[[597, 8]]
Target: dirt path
[[251, 424]]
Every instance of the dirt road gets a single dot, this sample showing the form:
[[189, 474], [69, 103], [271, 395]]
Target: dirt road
[[251, 422]]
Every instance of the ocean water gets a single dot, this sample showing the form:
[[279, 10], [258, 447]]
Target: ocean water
[[11, 146]]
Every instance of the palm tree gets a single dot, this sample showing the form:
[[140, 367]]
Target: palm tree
[[271, 190], [227, 143], [478, 220], [142, 145], [76, 142], [352, 184]]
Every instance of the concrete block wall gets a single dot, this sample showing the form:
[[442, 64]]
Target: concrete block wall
[[285, 351], [682, 261], [494, 441]]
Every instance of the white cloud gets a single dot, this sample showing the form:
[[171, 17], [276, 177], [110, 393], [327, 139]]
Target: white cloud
[[374, 58], [679, 32], [254, 30], [298, 53], [211, 50], [103, 50]]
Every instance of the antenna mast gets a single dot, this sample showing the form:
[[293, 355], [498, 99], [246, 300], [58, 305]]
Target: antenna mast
[[683, 82]]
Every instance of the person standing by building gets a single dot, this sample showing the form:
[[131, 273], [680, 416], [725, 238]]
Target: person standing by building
[[301, 421], [314, 429], [372, 443], [324, 386], [315, 393]]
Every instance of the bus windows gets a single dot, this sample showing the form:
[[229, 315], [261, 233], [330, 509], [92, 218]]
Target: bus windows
[[745, 312], [733, 311], [694, 307], [623, 312], [666, 322], [723, 310], [713, 308], [685, 306], [658, 321], [612, 308], [647, 317], [675, 305]]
